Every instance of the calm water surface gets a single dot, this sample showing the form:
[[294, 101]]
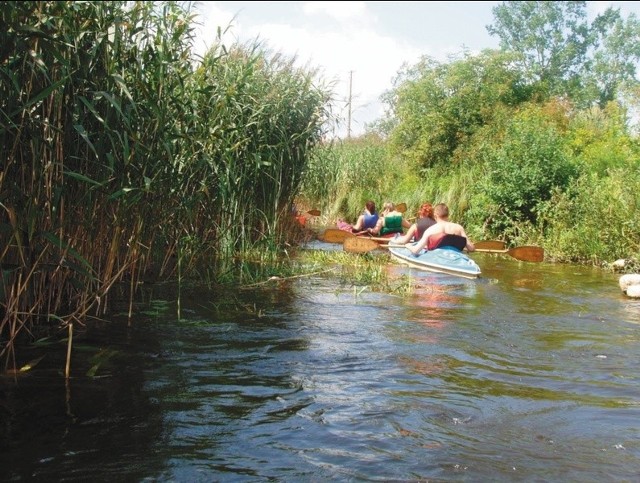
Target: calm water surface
[[529, 373]]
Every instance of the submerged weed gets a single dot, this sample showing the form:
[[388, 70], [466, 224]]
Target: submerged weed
[[362, 271]]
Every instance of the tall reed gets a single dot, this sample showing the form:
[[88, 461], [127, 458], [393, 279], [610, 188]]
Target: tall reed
[[344, 174], [123, 155]]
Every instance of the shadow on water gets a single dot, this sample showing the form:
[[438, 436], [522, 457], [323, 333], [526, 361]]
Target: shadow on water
[[526, 374]]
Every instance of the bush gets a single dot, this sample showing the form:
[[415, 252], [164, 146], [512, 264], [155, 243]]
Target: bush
[[524, 168], [594, 221]]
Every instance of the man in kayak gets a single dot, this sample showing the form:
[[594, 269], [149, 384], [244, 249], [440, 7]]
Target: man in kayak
[[444, 234]]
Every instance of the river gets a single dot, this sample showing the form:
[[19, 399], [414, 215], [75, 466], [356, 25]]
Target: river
[[529, 373]]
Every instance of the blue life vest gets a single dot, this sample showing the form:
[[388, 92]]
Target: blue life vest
[[370, 221]]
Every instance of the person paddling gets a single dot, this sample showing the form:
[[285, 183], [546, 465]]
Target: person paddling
[[444, 234], [365, 222], [368, 219], [424, 221], [391, 221]]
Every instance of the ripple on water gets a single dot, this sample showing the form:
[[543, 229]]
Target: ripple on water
[[527, 374]]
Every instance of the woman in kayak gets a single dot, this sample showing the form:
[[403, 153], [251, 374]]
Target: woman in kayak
[[368, 218], [424, 221], [436, 236], [391, 221], [366, 221]]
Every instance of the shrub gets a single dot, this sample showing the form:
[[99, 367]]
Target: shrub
[[524, 169]]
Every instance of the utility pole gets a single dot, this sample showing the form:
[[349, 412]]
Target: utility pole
[[349, 105]]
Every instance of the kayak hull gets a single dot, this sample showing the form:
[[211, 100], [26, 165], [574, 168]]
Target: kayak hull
[[440, 260]]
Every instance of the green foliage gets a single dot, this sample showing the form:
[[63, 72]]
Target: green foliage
[[439, 107], [342, 176], [502, 136], [523, 170], [552, 38], [125, 157], [440, 185], [615, 63], [263, 119], [600, 140], [596, 219], [563, 55]]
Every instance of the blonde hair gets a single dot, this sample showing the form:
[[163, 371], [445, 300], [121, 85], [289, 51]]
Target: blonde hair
[[388, 206]]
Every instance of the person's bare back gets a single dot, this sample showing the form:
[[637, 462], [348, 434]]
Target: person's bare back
[[442, 227]]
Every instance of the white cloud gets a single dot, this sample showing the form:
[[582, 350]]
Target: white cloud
[[366, 42], [342, 11], [211, 16], [597, 7], [347, 50]]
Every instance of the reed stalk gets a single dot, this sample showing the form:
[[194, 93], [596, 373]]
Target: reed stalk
[[118, 147]]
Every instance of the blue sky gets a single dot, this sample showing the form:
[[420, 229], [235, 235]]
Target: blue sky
[[362, 43]]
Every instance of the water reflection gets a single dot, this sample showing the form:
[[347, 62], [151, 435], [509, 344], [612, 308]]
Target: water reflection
[[527, 374]]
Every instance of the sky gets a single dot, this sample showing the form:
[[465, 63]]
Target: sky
[[359, 47]]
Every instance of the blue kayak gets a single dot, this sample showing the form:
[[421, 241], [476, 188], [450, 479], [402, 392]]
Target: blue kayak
[[443, 260]]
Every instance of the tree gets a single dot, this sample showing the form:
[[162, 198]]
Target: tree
[[438, 108], [552, 39], [614, 63], [566, 56]]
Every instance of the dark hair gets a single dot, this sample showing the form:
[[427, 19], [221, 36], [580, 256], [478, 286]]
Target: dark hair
[[371, 206]]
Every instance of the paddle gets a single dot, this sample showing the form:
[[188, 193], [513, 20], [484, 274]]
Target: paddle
[[380, 239], [525, 253], [359, 245], [490, 245], [335, 235], [314, 212]]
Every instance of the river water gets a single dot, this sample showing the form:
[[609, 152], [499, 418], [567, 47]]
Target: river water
[[529, 373]]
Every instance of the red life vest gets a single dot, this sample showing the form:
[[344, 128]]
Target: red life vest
[[442, 240]]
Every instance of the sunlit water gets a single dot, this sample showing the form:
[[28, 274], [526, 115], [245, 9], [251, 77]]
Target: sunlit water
[[529, 373]]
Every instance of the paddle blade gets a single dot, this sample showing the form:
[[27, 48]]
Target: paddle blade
[[402, 207], [335, 235], [359, 245], [527, 253], [489, 245], [314, 212]]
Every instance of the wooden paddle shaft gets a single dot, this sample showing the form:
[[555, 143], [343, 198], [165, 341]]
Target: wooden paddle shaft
[[490, 245], [524, 253]]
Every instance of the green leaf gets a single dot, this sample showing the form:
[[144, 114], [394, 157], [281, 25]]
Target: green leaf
[[92, 109], [66, 247], [120, 193], [85, 136], [121, 83], [116, 105], [81, 177]]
